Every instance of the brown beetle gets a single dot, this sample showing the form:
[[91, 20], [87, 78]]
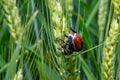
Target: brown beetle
[[74, 43]]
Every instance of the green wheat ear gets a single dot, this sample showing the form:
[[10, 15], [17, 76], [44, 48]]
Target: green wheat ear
[[67, 67], [102, 18], [59, 26], [108, 58], [12, 18], [116, 4]]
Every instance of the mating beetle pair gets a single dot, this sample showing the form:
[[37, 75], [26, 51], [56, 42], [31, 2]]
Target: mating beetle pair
[[73, 43]]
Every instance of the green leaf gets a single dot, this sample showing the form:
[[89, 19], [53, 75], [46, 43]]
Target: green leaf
[[87, 70]]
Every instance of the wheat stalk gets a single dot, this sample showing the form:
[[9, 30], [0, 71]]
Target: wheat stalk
[[118, 72]]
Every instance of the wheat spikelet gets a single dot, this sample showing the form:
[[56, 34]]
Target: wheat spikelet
[[19, 75], [116, 4], [108, 58], [13, 19]]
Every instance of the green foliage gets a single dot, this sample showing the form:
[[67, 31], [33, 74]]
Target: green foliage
[[40, 26]]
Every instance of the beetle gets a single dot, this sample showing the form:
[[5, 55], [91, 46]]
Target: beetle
[[73, 43]]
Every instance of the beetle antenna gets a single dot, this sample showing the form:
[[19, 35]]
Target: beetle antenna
[[72, 30], [66, 35]]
